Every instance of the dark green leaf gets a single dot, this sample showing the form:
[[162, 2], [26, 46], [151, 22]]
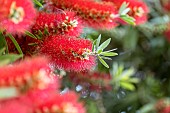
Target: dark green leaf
[[30, 34], [103, 62], [3, 42], [16, 44]]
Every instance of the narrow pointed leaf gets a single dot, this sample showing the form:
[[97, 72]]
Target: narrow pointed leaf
[[2, 51], [98, 41], [103, 62], [16, 44], [108, 53], [104, 44], [38, 3], [30, 34], [123, 7]]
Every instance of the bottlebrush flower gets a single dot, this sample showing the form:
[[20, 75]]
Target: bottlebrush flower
[[58, 23], [94, 81], [58, 103], [138, 9], [163, 105], [15, 106], [71, 54], [167, 32], [16, 15], [166, 4], [99, 15], [167, 35], [28, 74]]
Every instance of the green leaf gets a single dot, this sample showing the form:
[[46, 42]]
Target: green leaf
[[30, 34], [111, 50], [108, 53], [107, 58], [104, 44], [37, 3], [94, 46], [125, 11], [3, 42], [103, 62], [99, 51], [98, 41], [8, 92], [123, 7], [2, 51], [127, 85], [16, 44], [128, 19], [9, 58]]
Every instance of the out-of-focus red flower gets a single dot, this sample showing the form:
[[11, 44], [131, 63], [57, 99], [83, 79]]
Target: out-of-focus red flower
[[28, 74], [167, 34], [15, 106], [71, 54], [99, 15], [93, 81], [163, 106], [58, 23], [16, 15], [166, 110], [138, 9], [57, 103], [166, 4]]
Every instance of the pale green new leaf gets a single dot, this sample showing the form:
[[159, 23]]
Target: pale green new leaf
[[128, 19], [123, 7], [8, 92], [9, 58], [104, 44], [127, 85], [108, 53], [103, 62], [98, 41]]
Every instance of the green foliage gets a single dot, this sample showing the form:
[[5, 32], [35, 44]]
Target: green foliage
[[98, 50], [123, 78], [8, 92], [123, 12]]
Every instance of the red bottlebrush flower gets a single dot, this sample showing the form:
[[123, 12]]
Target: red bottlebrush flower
[[166, 4], [167, 35], [167, 32], [58, 23], [15, 105], [166, 110], [71, 54], [57, 103], [28, 74], [99, 15], [16, 16], [94, 81], [138, 9], [163, 106]]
